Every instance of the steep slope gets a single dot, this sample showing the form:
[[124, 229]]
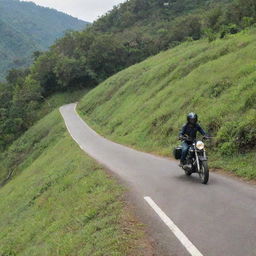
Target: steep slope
[[145, 105], [25, 27], [61, 202], [10, 161]]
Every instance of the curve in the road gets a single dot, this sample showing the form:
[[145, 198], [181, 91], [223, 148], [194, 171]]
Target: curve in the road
[[219, 219]]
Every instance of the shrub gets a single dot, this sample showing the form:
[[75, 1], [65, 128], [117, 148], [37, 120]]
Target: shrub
[[246, 132], [247, 22], [228, 29], [210, 34], [217, 88]]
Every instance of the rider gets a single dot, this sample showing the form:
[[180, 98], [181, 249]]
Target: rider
[[188, 135]]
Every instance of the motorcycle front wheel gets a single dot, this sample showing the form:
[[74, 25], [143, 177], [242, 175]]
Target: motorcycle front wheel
[[204, 172], [188, 173]]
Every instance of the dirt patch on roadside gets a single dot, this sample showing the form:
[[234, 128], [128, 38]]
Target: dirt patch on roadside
[[144, 245]]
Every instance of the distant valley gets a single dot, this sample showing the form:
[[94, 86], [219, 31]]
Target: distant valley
[[26, 28]]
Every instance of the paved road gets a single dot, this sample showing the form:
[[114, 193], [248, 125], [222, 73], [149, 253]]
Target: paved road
[[219, 218]]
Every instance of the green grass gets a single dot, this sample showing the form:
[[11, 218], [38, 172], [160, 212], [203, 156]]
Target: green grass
[[60, 202], [145, 105], [28, 146]]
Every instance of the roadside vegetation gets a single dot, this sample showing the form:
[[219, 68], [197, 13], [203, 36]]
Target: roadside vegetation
[[61, 202], [22, 104], [145, 105]]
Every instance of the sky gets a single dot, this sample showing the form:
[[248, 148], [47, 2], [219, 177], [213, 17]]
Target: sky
[[87, 10]]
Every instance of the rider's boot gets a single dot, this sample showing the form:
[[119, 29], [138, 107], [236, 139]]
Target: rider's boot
[[181, 164]]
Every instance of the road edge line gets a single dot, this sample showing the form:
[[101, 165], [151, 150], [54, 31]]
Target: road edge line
[[175, 230]]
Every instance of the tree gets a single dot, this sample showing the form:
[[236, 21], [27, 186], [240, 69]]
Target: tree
[[72, 73], [16, 76], [106, 56], [188, 26], [42, 71], [214, 18]]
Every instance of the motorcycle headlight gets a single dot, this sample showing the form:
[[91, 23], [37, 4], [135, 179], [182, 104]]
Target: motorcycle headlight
[[200, 145]]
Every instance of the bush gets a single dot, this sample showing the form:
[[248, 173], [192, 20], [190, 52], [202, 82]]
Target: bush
[[217, 88], [247, 22], [238, 136], [229, 29], [246, 132], [210, 34]]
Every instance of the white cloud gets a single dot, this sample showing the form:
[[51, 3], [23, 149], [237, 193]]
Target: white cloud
[[88, 10]]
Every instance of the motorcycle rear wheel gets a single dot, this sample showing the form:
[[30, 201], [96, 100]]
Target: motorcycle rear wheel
[[204, 172]]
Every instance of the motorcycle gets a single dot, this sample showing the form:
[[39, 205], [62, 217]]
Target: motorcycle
[[196, 160]]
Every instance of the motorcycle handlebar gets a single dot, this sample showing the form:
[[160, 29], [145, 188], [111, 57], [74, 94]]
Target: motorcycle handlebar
[[187, 138], [207, 137]]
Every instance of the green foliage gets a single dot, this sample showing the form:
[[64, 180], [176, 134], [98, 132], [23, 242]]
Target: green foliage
[[146, 104], [215, 18], [211, 35], [247, 22], [19, 112], [25, 28], [22, 103], [228, 29], [69, 72], [61, 204], [218, 87], [43, 72]]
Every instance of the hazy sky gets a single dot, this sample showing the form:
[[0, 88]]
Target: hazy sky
[[87, 10]]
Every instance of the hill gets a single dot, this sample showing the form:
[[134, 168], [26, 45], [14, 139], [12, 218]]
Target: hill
[[117, 40], [63, 204], [25, 28], [145, 105]]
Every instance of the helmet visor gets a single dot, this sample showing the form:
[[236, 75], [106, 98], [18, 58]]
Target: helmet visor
[[192, 120]]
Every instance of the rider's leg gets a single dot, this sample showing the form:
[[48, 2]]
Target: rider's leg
[[184, 153]]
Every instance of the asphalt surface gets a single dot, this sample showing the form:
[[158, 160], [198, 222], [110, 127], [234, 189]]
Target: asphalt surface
[[218, 218]]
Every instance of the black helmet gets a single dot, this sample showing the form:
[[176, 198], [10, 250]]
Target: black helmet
[[192, 118]]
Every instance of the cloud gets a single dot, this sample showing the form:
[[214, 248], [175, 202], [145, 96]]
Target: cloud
[[88, 10]]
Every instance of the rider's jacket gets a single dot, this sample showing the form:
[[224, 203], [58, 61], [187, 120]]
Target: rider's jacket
[[191, 130]]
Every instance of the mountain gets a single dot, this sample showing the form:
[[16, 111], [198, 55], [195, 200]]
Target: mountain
[[26, 27]]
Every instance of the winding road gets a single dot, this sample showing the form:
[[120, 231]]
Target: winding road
[[183, 217]]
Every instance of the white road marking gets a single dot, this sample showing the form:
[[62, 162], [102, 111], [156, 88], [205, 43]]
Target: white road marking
[[176, 231], [70, 131]]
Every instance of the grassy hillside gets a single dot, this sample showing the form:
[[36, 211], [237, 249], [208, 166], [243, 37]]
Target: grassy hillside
[[25, 28], [9, 157], [61, 202], [145, 105]]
